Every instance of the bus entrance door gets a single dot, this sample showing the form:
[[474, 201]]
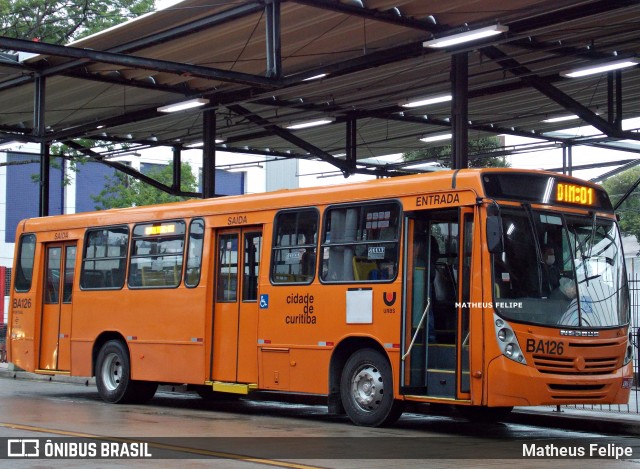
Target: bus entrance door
[[435, 358], [235, 317], [55, 330]]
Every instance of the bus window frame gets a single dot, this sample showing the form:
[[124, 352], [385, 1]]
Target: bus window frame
[[273, 247], [397, 240], [83, 257], [188, 246], [131, 246], [19, 265]]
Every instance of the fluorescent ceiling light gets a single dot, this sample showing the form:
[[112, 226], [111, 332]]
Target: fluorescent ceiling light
[[426, 100], [435, 138], [199, 144], [570, 117], [600, 68], [466, 36], [304, 125], [315, 77], [184, 105]]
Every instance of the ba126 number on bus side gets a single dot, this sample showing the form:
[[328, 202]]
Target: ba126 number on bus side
[[547, 347]]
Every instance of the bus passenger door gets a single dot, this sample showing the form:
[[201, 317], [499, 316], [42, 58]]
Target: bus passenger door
[[432, 324], [55, 330], [235, 316]]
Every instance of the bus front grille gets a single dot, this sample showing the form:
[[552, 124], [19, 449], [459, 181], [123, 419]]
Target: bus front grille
[[575, 366]]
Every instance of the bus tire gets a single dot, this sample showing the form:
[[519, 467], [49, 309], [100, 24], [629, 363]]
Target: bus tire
[[366, 389], [485, 414], [113, 377]]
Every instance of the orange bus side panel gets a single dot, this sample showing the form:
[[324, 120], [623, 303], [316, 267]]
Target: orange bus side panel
[[172, 363], [81, 353], [276, 369], [306, 366]]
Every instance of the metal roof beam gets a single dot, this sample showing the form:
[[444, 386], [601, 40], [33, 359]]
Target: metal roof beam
[[161, 37], [114, 80], [128, 170], [375, 15], [164, 66], [544, 87], [362, 62], [289, 137]]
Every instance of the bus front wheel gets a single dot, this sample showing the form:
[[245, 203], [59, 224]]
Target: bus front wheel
[[366, 389], [113, 377]]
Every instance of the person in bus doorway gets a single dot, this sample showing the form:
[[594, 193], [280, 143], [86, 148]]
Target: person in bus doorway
[[550, 271]]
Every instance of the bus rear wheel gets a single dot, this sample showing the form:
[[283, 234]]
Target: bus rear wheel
[[113, 377], [366, 390]]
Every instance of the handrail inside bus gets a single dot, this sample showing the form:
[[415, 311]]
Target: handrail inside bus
[[415, 335]]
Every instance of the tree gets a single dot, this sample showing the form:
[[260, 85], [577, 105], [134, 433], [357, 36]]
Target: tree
[[478, 150], [629, 211], [123, 191], [61, 21]]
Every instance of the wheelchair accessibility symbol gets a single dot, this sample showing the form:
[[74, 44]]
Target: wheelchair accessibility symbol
[[264, 301]]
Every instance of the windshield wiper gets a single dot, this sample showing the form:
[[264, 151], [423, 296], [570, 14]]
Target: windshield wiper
[[590, 278]]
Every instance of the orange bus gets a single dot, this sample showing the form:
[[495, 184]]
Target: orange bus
[[487, 289]]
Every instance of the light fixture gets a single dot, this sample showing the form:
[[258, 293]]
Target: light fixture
[[569, 117], [315, 77], [306, 124], [201, 143], [435, 138], [467, 36], [600, 68], [435, 99], [184, 105]]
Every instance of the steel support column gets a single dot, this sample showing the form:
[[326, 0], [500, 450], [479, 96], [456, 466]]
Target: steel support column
[[274, 47], [351, 144], [460, 110], [177, 169], [39, 129], [209, 154], [567, 159], [45, 160], [618, 78]]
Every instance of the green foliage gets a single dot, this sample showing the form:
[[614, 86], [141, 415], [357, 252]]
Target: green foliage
[[629, 211], [479, 147], [122, 191], [61, 21]]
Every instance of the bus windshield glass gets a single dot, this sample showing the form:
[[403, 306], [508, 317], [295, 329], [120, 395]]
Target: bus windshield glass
[[561, 270]]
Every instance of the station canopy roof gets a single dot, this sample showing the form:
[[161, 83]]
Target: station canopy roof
[[256, 64]]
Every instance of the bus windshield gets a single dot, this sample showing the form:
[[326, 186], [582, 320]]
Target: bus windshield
[[561, 270]]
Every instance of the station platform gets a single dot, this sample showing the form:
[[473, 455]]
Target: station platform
[[614, 421]]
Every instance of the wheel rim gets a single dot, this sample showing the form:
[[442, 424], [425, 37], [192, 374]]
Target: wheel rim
[[367, 388], [112, 371]]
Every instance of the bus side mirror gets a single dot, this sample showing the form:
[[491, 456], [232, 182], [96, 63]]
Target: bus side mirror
[[494, 234]]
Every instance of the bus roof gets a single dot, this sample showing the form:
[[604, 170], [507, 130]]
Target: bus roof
[[367, 190]]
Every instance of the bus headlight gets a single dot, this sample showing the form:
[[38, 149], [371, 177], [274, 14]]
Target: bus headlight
[[629, 355], [507, 341]]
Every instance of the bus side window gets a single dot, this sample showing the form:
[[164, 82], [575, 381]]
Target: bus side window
[[294, 249], [194, 253], [360, 242], [26, 256], [104, 258]]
